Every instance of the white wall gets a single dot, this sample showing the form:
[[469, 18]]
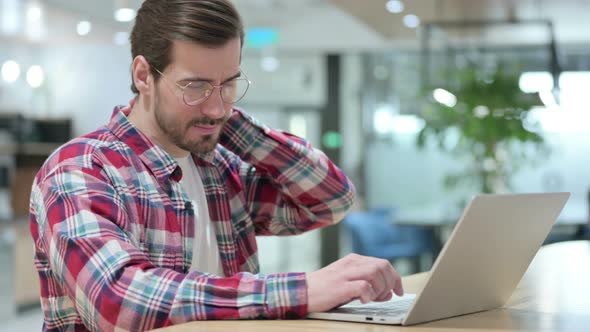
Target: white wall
[[81, 81], [328, 28], [299, 80], [87, 81], [18, 96]]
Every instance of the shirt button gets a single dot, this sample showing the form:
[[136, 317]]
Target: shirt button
[[176, 172]]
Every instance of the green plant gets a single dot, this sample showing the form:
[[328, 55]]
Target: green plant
[[490, 123]]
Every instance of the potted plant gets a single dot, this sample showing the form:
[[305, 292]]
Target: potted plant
[[487, 114]]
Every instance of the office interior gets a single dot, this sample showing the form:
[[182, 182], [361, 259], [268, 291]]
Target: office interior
[[368, 82]]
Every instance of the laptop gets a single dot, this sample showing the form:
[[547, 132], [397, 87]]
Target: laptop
[[479, 267]]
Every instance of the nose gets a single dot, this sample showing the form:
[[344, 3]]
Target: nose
[[214, 107]]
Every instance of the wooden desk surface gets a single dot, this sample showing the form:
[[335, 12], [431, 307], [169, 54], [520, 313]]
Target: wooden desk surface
[[554, 295]]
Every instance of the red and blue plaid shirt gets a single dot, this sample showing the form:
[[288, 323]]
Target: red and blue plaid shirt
[[113, 228]]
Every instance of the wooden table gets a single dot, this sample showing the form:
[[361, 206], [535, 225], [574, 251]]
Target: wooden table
[[554, 295]]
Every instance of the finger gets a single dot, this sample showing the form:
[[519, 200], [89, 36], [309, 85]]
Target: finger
[[387, 297], [379, 282], [387, 276], [394, 280], [379, 272], [390, 275], [394, 276], [399, 289], [362, 290]]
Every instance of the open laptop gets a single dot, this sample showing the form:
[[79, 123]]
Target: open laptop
[[479, 267]]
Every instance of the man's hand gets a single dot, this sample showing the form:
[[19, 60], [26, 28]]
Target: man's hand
[[352, 277]]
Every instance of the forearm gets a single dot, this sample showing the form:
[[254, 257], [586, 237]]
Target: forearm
[[119, 287], [241, 296], [304, 176]]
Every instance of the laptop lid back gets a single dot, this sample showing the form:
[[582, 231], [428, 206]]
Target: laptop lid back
[[487, 254]]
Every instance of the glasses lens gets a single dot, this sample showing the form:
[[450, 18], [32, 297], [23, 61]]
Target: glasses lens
[[196, 92], [234, 90]]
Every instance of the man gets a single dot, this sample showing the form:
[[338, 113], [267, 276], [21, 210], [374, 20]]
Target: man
[[151, 220]]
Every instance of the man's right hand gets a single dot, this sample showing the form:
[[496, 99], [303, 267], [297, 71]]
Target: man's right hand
[[350, 278]]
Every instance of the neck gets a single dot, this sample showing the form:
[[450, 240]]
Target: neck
[[143, 118]]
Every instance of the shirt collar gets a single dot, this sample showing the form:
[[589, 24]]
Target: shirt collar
[[160, 162]]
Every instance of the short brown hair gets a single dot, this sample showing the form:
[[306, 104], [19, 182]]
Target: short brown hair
[[160, 22]]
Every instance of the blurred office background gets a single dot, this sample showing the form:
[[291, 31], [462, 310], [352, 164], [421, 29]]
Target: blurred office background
[[498, 89]]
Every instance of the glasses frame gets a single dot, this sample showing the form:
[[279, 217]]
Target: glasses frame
[[213, 87]]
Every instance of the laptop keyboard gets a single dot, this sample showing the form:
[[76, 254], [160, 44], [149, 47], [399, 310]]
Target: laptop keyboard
[[396, 307]]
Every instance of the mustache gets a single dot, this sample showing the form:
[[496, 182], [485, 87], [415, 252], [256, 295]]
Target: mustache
[[208, 121]]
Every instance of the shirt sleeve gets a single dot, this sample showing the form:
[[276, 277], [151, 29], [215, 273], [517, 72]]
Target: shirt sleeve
[[82, 231], [289, 186]]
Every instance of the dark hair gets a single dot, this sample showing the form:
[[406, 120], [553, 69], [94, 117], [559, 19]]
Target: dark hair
[[160, 22]]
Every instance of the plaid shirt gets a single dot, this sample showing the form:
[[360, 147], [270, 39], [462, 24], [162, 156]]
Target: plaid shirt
[[113, 228]]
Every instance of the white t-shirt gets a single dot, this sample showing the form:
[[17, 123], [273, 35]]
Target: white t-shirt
[[205, 251]]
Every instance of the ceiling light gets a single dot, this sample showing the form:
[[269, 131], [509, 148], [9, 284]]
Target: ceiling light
[[481, 111], [83, 28], [270, 63], [34, 27], [124, 11], [394, 6], [10, 71], [407, 124], [34, 13], [383, 119], [574, 90], [35, 76], [411, 21], [550, 121], [548, 99], [444, 97], [535, 81], [125, 14]]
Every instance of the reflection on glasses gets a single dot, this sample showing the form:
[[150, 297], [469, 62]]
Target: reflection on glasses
[[196, 92]]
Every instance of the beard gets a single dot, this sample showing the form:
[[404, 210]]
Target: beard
[[175, 130]]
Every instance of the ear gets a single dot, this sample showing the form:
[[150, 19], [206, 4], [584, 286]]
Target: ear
[[142, 76]]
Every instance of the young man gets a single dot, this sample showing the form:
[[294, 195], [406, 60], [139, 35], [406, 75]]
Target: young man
[[151, 220]]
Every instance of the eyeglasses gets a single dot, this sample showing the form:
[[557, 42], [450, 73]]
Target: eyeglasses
[[196, 92]]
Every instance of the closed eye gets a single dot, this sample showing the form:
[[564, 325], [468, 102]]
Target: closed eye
[[198, 85]]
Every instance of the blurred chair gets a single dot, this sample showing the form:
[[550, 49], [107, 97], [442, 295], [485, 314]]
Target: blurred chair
[[373, 233]]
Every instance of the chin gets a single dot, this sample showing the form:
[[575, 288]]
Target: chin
[[204, 145]]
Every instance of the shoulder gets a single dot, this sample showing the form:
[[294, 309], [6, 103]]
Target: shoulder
[[87, 152]]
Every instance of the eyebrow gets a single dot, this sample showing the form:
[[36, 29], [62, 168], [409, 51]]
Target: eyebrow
[[200, 79]]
